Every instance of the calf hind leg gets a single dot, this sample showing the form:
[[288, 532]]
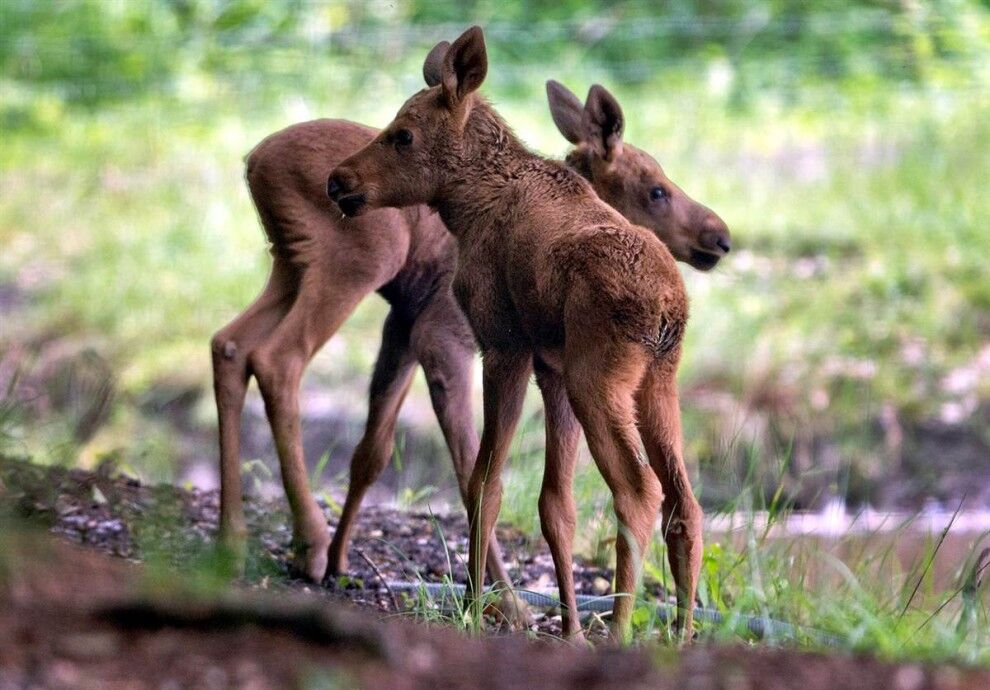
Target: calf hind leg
[[660, 427], [230, 348], [278, 365], [601, 386], [391, 379]]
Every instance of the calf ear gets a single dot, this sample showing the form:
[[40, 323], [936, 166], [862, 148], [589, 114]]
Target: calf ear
[[464, 66], [433, 65], [566, 110], [603, 122]]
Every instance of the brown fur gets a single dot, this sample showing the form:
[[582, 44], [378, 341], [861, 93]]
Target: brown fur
[[552, 277], [323, 266]]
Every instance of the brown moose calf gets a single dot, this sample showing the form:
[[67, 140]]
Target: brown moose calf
[[552, 279], [325, 264]]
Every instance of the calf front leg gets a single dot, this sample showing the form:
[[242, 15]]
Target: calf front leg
[[505, 377], [446, 350], [558, 514]]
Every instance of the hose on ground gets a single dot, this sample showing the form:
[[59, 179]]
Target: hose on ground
[[761, 627]]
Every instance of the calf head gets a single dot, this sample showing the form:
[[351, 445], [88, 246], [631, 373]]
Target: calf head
[[631, 181], [409, 160]]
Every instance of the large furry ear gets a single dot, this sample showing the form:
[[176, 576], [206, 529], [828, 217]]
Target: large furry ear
[[433, 65], [464, 66], [603, 122], [567, 111]]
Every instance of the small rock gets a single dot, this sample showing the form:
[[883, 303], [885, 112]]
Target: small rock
[[909, 677], [421, 658], [601, 586], [62, 674], [88, 646]]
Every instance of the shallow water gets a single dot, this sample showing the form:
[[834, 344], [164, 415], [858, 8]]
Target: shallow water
[[880, 544]]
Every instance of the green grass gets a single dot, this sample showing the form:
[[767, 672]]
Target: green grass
[[856, 222], [860, 589], [853, 591], [867, 600]]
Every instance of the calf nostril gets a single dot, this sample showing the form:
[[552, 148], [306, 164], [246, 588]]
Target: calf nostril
[[333, 187], [723, 244]]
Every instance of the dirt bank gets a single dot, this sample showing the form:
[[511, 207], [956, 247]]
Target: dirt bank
[[76, 618]]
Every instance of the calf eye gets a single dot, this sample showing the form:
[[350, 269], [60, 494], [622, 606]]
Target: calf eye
[[403, 137], [657, 193]]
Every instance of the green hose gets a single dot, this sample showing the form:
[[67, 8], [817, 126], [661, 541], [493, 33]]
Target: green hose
[[762, 627]]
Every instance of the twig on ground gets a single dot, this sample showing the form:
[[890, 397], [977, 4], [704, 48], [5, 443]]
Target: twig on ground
[[395, 601]]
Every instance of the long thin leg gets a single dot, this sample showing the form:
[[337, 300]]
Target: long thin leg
[[390, 382], [444, 345], [660, 426], [600, 385], [504, 378], [230, 348], [278, 365], [558, 514]]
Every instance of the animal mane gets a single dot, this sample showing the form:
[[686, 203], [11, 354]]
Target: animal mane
[[500, 149]]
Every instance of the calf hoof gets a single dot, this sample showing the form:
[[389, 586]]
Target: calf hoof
[[511, 610], [233, 547], [310, 561], [337, 561], [576, 637], [336, 566]]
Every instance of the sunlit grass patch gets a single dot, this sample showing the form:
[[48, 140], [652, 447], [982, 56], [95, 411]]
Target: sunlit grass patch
[[897, 591]]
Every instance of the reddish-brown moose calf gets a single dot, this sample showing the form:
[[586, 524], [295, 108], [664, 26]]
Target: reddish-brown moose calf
[[324, 265], [550, 277]]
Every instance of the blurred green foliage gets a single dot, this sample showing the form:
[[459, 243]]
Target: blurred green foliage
[[846, 144], [96, 51]]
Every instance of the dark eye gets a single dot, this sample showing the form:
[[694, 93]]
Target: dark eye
[[403, 137], [658, 193]]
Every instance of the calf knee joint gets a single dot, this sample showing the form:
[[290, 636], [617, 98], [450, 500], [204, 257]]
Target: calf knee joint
[[223, 349]]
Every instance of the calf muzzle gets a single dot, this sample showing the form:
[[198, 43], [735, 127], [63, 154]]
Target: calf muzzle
[[340, 189]]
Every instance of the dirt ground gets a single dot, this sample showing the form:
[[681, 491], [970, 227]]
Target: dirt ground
[[88, 616], [119, 516]]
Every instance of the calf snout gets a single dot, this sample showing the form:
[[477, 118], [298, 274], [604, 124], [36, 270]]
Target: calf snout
[[715, 235], [342, 185]]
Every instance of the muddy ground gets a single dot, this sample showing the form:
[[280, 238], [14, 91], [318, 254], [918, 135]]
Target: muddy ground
[[95, 616]]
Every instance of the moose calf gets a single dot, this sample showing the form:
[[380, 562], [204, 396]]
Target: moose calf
[[552, 279], [324, 265]]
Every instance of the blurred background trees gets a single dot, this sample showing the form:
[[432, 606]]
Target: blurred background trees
[[92, 52], [841, 350]]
